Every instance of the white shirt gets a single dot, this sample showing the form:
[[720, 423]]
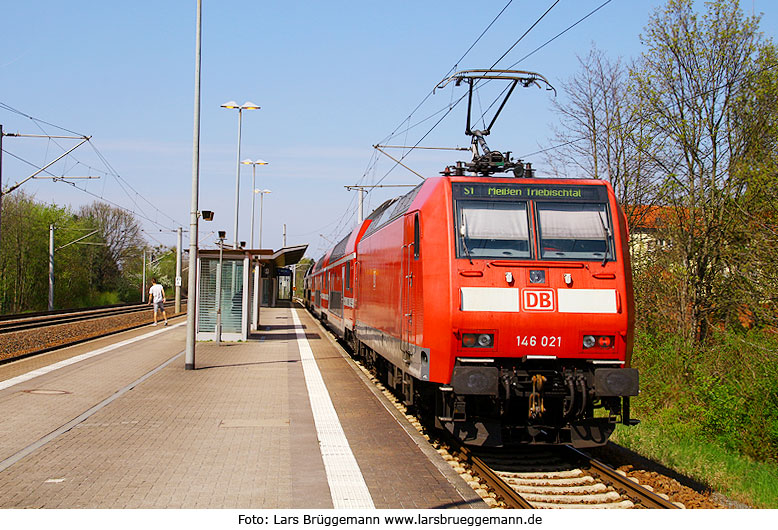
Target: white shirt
[[157, 293]]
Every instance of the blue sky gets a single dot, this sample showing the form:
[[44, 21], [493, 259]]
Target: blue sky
[[332, 78]]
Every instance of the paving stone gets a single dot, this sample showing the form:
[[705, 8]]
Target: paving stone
[[237, 432]]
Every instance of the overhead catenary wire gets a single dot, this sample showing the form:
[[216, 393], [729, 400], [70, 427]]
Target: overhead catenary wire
[[374, 158], [452, 69], [684, 100], [451, 107], [533, 52], [405, 125], [109, 171], [91, 193], [525, 34]]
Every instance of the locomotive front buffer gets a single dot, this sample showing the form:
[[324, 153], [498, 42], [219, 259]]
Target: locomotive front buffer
[[544, 404]]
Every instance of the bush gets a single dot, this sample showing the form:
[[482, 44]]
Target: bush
[[726, 390]]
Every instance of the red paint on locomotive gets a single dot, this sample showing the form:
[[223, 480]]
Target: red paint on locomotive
[[543, 297]]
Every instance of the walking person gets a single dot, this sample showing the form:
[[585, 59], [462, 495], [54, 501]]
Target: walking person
[[157, 297]]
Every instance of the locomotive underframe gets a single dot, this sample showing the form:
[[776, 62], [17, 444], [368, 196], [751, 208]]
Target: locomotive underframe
[[515, 401]]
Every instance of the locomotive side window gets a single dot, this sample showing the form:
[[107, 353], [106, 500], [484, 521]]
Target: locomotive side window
[[574, 231], [416, 236], [492, 229]]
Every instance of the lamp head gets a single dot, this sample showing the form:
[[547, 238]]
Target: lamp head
[[257, 162], [230, 105], [222, 234], [207, 215]]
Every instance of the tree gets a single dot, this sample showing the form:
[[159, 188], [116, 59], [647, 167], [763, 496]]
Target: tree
[[24, 256], [603, 134], [113, 265], [692, 81]]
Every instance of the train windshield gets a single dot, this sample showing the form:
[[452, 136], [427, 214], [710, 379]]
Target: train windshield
[[574, 231], [492, 229]]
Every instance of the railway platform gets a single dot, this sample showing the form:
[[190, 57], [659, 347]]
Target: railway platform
[[282, 421]]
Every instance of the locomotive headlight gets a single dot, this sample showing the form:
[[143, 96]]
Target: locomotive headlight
[[485, 340], [599, 341], [477, 340]]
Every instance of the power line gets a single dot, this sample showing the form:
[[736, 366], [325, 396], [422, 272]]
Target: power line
[[110, 171], [61, 179], [427, 96], [16, 111], [453, 68], [685, 100], [525, 34], [451, 107], [549, 41], [555, 37]]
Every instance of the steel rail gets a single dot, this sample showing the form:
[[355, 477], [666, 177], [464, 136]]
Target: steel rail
[[33, 314], [647, 498], [504, 492], [79, 340], [24, 322], [603, 472]]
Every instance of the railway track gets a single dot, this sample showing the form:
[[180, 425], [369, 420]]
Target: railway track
[[537, 478], [12, 323], [555, 478]]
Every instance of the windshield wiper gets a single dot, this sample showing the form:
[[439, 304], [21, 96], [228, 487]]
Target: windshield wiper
[[464, 244], [607, 233]]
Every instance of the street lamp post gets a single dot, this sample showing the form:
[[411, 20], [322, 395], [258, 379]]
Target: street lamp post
[[254, 164], [248, 105], [191, 295]]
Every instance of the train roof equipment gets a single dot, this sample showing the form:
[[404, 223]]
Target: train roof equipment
[[491, 162]]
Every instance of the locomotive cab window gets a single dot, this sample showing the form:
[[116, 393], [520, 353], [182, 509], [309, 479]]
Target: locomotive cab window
[[492, 229], [574, 231]]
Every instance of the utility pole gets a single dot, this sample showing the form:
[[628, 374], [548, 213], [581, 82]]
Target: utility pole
[[143, 282], [178, 269], [219, 291], [51, 258], [361, 209], [363, 189], [191, 303], [284, 238], [51, 267]]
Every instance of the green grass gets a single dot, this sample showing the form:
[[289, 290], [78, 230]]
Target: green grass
[[710, 411], [682, 447]]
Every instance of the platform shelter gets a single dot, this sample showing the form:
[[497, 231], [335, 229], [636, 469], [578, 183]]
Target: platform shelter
[[249, 279]]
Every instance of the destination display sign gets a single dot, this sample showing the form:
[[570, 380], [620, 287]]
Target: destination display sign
[[480, 190]]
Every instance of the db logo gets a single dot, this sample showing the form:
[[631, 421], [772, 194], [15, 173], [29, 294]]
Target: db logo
[[537, 299]]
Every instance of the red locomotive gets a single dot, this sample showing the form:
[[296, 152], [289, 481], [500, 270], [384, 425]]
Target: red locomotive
[[502, 307]]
